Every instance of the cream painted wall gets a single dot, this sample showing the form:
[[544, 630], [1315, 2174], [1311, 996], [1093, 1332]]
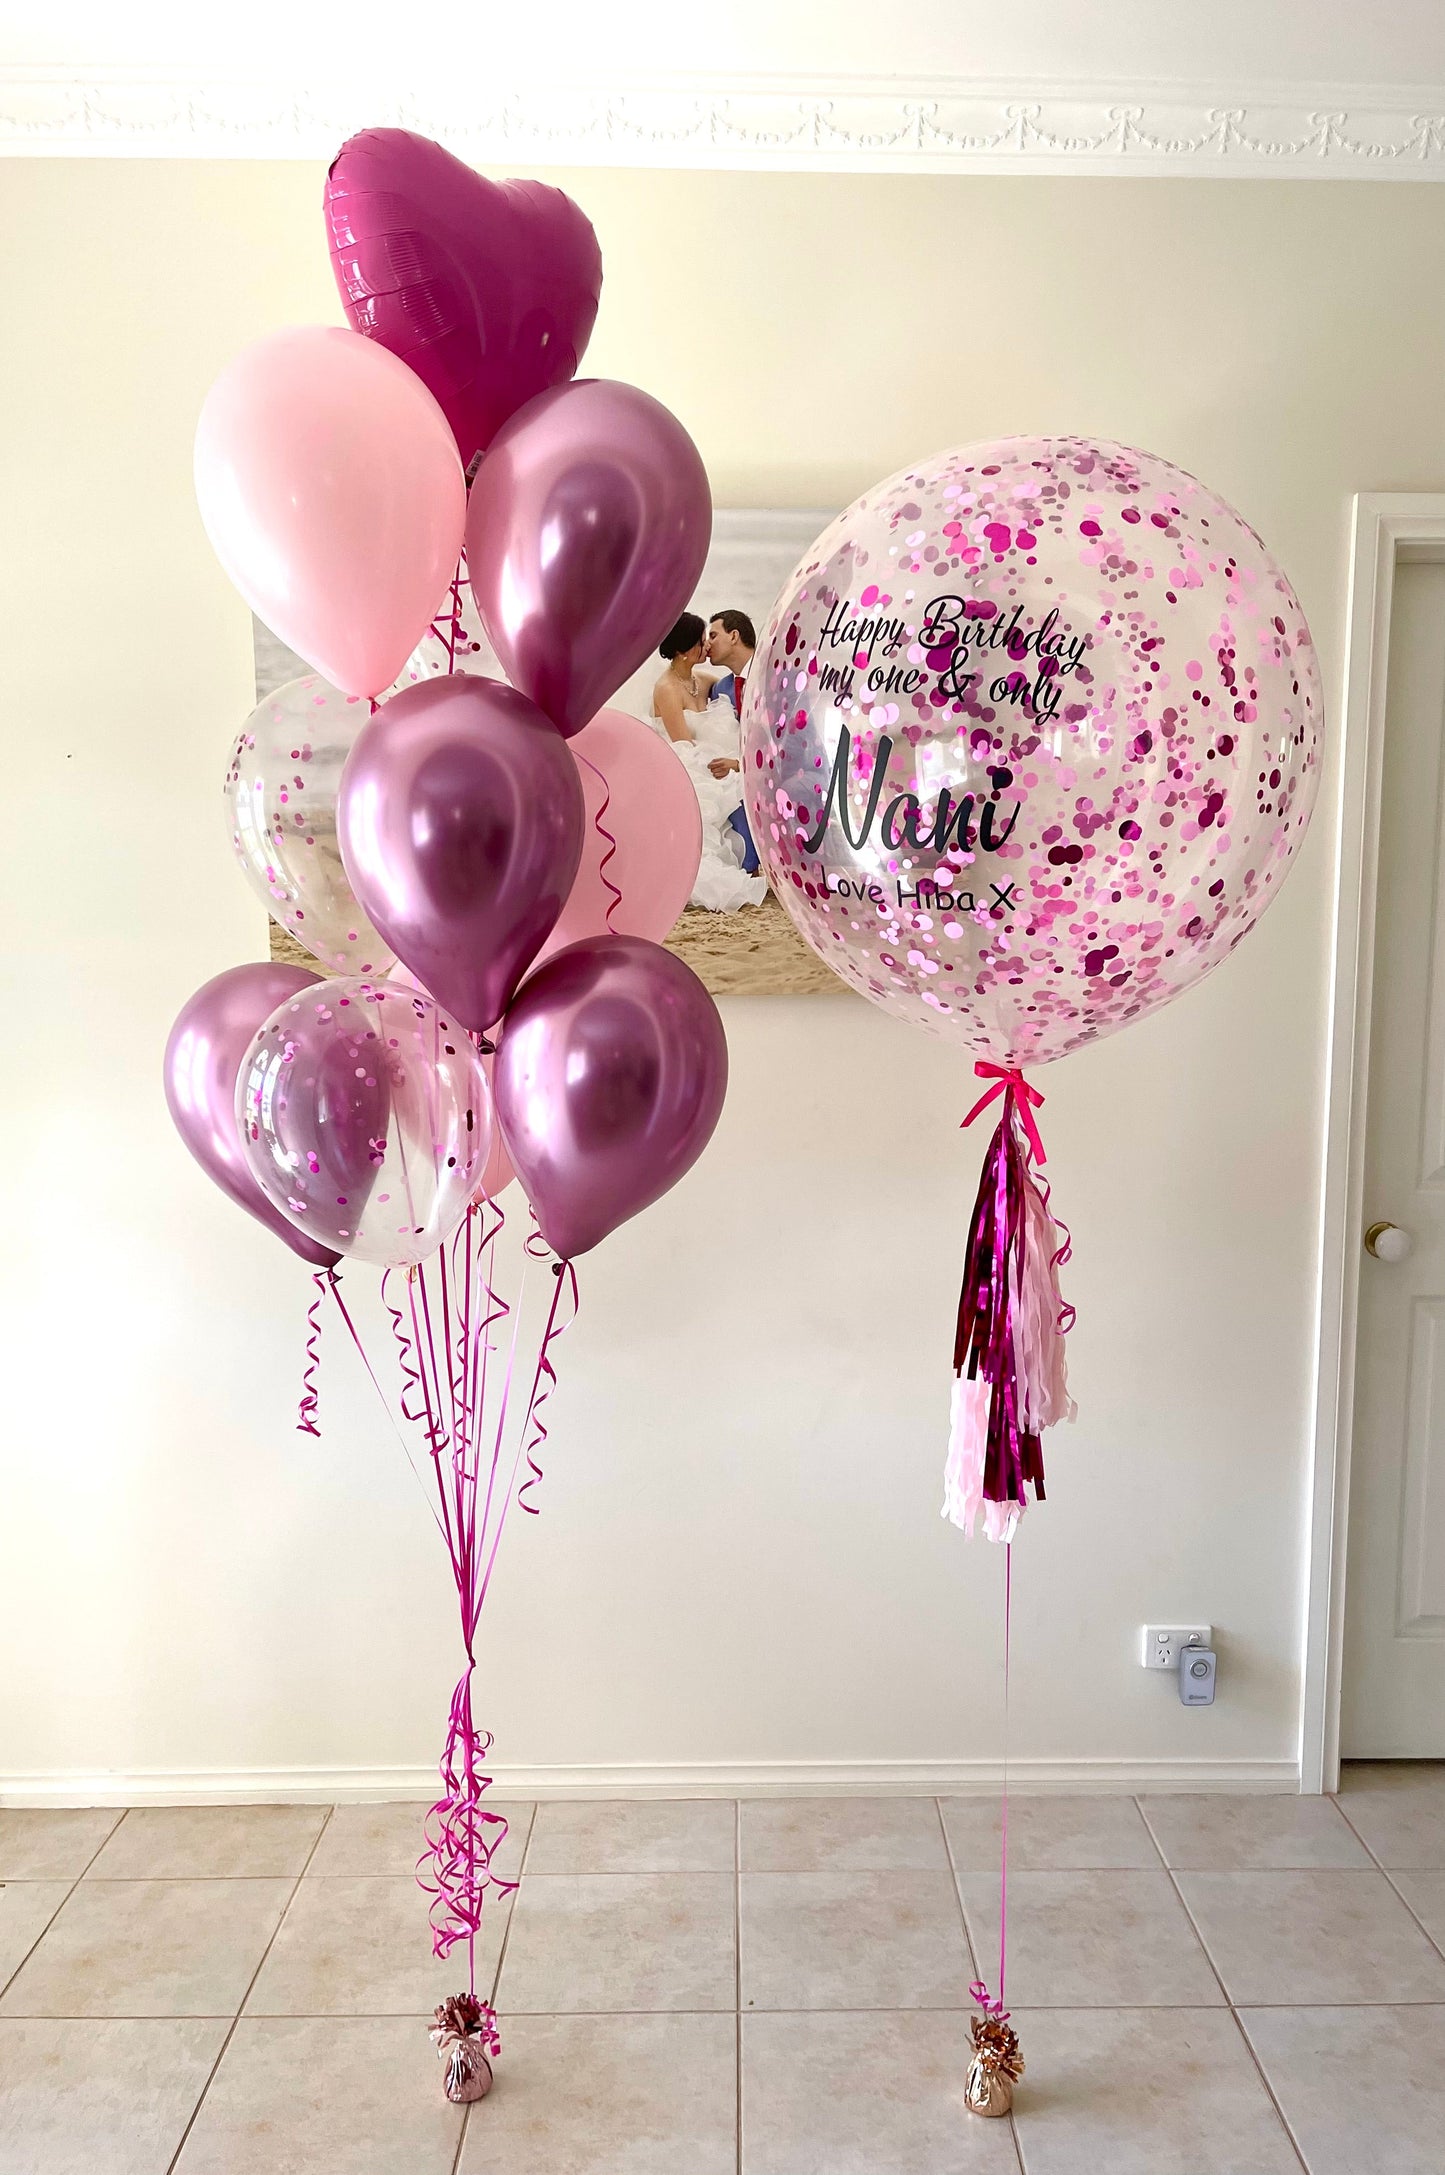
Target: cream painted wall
[[741, 1558]]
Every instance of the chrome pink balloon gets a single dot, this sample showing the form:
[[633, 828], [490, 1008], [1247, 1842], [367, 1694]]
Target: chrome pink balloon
[[330, 487], [609, 1080], [202, 1062], [587, 529], [461, 827], [643, 840], [486, 289]]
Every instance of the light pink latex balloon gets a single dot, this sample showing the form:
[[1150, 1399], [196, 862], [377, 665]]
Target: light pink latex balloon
[[331, 489], [652, 813]]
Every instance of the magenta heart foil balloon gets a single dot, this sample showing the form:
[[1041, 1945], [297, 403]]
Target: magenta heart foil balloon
[[587, 528], [487, 289], [609, 1080], [461, 821]]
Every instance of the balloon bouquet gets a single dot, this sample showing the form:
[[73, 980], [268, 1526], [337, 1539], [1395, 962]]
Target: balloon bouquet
[[484, 865], [1032, 738]]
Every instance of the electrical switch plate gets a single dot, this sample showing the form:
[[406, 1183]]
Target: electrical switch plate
[[1162, 1644]]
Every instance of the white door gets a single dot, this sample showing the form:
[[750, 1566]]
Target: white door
[[1394, 1673]]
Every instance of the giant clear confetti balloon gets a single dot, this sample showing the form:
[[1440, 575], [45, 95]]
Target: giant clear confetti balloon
[[1031, 738], [281, 789]]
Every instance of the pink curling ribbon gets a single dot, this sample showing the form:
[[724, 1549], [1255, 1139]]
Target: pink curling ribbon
[[602, 832], [1009, 1082], [306, 1423], [534, 1434], [447, 626]]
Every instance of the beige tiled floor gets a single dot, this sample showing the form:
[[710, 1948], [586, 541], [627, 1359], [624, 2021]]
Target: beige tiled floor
[[1203, 1986]]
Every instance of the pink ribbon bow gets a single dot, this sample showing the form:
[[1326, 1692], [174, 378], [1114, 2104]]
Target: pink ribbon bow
[[1009, 1082]]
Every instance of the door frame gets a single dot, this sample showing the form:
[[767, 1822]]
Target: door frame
[[1388, 528]]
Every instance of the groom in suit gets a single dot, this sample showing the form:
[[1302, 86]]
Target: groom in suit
[[731, 640]]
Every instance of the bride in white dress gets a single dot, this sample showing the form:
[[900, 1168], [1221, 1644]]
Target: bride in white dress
[[704, 737]]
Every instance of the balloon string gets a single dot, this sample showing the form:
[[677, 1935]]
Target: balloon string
[[1008, 1580], [979, 1988], [534, 1432], [602, 832], [335, 1287], [307, 1410]]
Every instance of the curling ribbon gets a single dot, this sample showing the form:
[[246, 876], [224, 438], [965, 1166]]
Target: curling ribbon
[[602, 832], [1017, 1092], [306, 1423], [534, 1434]]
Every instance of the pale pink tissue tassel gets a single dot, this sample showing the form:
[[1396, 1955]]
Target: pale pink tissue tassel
[[1039, 1362], [963, 1472]]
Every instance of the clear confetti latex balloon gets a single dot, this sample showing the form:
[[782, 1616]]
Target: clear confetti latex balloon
[[281, 790], [366, 1118], [1032, 737]]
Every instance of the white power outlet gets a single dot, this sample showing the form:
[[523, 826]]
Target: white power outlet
[[1162, 1644]]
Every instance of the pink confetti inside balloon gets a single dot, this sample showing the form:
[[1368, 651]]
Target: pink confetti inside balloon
[[1032, 737], [281, 791], [366, 1118]]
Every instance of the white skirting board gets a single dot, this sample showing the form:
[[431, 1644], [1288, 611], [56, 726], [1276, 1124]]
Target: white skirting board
[[885, 1778]]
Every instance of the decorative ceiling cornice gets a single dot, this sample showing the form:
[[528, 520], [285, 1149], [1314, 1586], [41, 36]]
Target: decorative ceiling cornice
[[946, 126]]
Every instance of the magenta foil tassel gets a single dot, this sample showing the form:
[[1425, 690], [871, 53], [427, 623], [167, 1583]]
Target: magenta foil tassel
[[1008, 1360]]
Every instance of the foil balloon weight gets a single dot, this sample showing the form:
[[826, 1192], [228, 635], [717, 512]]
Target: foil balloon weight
[[281, 793], [487, 289], [1032, 737], [366, 1118]]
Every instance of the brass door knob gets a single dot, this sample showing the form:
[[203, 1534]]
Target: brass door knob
[[1387, 1242]]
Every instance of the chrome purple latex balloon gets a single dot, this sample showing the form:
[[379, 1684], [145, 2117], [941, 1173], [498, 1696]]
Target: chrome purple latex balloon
[[461, 830], [487, 289], [608, 1081], [203, 1058], [366, 1118], [587, 528]]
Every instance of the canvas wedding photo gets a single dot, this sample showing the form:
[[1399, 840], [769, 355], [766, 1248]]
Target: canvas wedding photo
[[733, 932]]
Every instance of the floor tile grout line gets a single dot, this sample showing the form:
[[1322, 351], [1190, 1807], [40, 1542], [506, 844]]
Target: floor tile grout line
[[230, 2032], [1235, 2018], [1033, 2008], [1159, 1851], [1389, 1874], [972, 1959], [9, 1981], [507, 1929], [1253, 2052], [957, 1891]]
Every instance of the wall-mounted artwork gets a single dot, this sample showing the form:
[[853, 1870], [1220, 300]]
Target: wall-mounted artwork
[[734, 934]]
